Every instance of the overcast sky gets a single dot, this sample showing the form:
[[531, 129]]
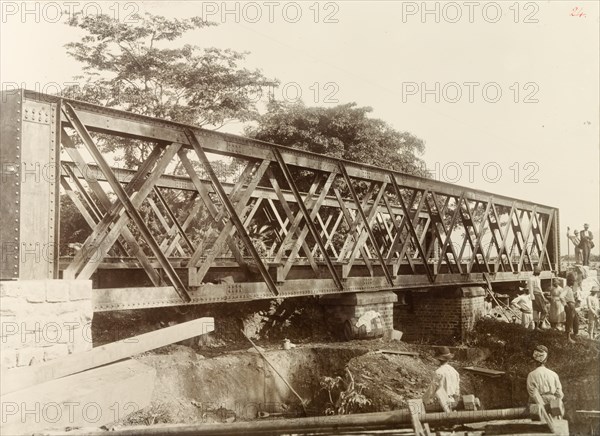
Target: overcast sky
[[505, 94]]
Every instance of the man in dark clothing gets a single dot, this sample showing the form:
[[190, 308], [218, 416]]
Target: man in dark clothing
[[586, 244], [572, 321]]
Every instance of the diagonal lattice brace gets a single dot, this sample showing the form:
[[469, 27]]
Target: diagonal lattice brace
[[399, 227], [225, 228], [367, 221], [526, 239], [353, 226], [292, 184], [448, 233], [125, 200], [437, 221], [105, 204], [173, 218], [91, 245], [545, 242], [210, 206], [165, 225], [186, 223], [89, 213], [314, 210], [478, 240], [411, 225], [107, 238], [228, 229], [294, 221], [232, 212]]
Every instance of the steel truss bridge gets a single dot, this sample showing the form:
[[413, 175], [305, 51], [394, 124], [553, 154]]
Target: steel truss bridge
[[282, 222]]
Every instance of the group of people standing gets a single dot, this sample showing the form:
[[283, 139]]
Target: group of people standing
[[582, 240], [559, 308]]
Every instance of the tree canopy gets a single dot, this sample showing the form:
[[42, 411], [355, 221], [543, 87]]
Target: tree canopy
[[136, 67], [344, 131]]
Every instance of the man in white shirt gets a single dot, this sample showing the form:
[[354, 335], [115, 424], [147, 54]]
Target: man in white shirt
[[542, 380], [445, 386], [524, 304], [593, 311]]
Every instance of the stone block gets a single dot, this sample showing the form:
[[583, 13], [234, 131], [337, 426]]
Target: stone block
[[469, 402], [10, 289], [57, 291], [34, 291], [29, 356], [472, 291], [55, 351], [8, 358], [79, 289], [393, 335]]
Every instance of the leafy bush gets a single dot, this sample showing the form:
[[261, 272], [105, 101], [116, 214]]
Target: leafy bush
[[350, 398]]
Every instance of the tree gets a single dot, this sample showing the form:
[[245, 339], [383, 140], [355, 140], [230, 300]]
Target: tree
[[343, 131], [136, 68]]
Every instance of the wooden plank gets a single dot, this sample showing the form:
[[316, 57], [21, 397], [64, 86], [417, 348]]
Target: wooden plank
[[401, 353], [485, 371], [415, 408], [88, 399], [20, 378]]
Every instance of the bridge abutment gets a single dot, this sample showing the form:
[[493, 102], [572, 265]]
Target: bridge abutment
[[44, 319], [447, 314], [351, 308]]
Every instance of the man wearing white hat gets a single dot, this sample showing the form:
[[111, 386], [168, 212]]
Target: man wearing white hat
[[543, 380], [593, 311], [445, 386]]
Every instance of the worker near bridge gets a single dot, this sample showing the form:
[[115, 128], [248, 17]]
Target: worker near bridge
[[543, 380], [445, 386], [537, 297], [524, 305]]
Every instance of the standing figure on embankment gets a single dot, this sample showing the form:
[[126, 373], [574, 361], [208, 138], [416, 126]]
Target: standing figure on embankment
[[586, 244], [593, 311], [557, 314], [445, 386], [524, 304], [572, 319], [537, 297]]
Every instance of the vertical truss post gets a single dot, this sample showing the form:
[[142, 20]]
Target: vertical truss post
[[306, 214], [231, 211]]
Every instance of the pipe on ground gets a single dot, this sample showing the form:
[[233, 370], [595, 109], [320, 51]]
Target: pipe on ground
[[336, 423]]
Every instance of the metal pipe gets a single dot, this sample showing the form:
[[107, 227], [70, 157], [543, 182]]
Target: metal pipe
[[337, 423]]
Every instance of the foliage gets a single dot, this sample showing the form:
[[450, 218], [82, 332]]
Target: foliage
[[73, 228], [344, 131], [350, 398], [511, 346], [135, 66]]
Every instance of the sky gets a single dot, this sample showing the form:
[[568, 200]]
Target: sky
[[505, 94]]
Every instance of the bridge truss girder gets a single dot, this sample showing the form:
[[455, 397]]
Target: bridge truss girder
[[331, 226]]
